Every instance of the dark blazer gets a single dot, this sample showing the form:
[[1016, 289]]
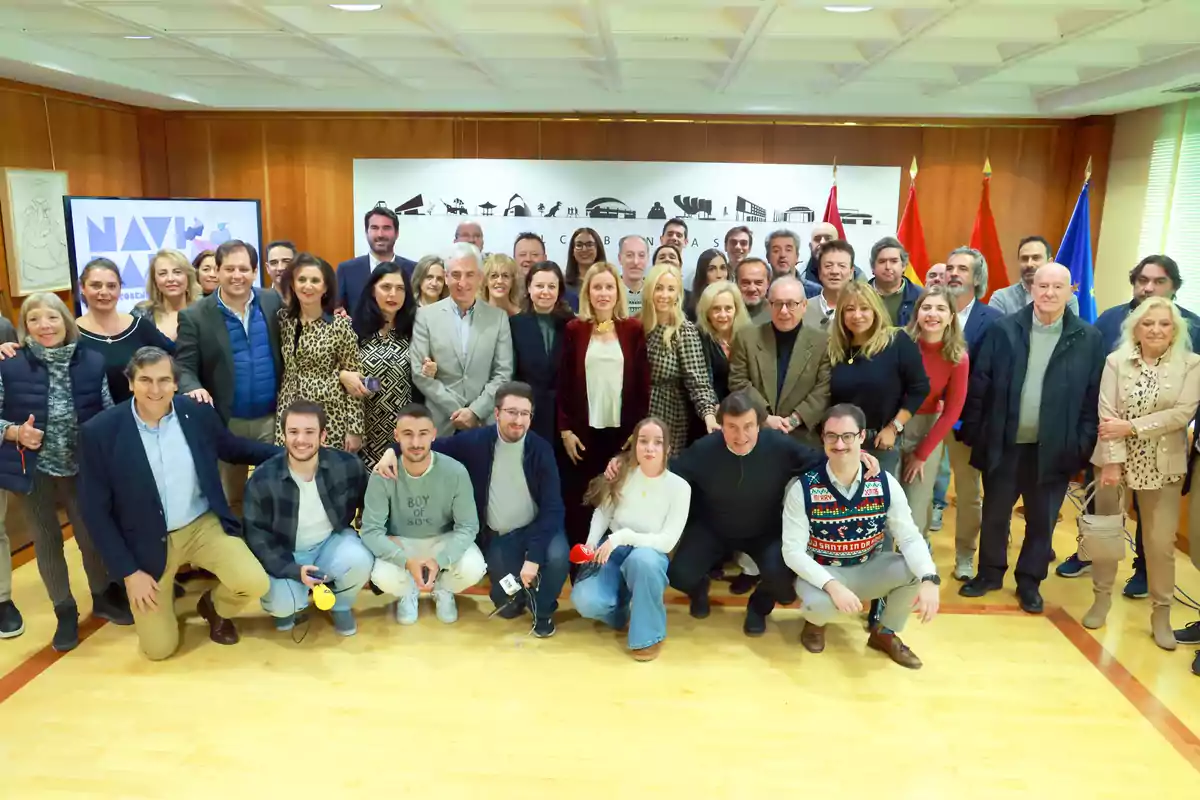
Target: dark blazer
[[117, 493], [1109, 324], [572, 377], [718, 365], [978, 321], [1070, 413], [204, 354], [353, 275], [533, 365], [475, 449], [908, 301]]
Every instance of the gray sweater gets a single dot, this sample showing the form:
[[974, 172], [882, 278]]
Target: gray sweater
[[439, 502], [1042, 341]]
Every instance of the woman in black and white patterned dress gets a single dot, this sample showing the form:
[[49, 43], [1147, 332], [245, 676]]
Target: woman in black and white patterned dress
[[384, 322], [678, 370]]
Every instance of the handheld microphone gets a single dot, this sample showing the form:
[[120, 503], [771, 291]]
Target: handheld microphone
[[323, 597], [582, 554]]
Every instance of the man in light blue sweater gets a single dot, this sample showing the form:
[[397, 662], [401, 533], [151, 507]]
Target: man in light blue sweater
[[422, 526]]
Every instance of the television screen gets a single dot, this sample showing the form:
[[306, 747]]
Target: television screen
[[130, 230]]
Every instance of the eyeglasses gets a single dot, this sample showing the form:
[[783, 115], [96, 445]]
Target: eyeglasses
[[585, 245], [790, 305], [516, 413], [845, 438]]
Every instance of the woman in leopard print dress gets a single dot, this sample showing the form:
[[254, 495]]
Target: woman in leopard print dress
[[318, 349]]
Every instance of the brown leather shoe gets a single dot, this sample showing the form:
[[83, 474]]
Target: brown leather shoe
[[648, 653], [220, 630], [813, 637], [896, 650]]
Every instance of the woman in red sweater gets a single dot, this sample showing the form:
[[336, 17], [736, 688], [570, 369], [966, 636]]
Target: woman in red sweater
[[935, 329]]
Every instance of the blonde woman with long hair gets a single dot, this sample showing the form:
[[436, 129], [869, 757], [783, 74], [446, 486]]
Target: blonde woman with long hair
[[171, 286], [678, 370], [603, 386], [1149, 392], [934, 327], [501, 287], [720, 314], [638, 520], [876, 368]]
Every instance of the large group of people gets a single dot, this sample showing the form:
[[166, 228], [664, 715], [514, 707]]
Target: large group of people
[[415, 426]]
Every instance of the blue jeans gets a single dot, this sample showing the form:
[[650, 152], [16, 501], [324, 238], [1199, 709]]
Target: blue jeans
[[506, 555], [943, 479], [632, 576], [343, 557]]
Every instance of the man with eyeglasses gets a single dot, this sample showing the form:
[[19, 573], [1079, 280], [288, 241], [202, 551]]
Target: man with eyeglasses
[[834, 525], [784, 364], [516, 485]]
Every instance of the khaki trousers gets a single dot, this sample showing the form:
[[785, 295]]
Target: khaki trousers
[[968, 499], [1159, 511], [202, 543], [233, 476]]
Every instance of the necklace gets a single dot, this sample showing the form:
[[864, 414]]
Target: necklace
[[853, 355], [605, 327]]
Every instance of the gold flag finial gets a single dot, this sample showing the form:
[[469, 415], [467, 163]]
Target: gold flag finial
[[987, 167], [835, 170], [912, 171], [1087, 173]]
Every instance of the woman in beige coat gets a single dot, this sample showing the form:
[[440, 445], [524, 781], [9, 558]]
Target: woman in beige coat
[[1148, 395]]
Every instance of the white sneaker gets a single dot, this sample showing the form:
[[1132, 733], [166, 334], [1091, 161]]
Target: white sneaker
[[447, 608], [406, 607], [964, 568]]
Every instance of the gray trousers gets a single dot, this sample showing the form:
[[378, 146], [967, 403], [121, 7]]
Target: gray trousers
[[920, 493], [968, 499], [41, 513], [5, 552], [885, 576]]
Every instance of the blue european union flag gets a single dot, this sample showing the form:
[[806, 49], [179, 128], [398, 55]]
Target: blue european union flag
[[1075, 253]]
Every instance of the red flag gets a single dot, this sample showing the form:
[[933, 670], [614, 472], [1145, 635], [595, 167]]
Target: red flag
[[912, 235], [831, 209], [985, 239]]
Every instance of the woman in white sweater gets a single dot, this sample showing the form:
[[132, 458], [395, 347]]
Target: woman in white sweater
[[638, 520]]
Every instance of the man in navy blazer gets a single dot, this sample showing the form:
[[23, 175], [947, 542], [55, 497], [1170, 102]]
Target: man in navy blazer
[[382, 226], [519, 498], [151, 495], [966, 281]]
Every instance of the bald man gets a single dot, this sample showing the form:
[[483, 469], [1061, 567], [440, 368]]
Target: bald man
[[822, 232], [936, 276], [470, 232], [1030, 420]]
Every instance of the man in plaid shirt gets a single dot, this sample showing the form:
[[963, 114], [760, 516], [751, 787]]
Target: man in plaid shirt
[[298, 510]]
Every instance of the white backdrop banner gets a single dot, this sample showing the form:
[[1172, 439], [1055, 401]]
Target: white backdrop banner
[[617, 198]]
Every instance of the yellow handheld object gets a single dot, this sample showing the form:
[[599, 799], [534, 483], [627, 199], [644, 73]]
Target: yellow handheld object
[[322, 597]]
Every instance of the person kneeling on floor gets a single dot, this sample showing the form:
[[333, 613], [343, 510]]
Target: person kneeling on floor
[[519, 500], [422, 525], [834, 523], [151, 495], [639, 517], [298, 510]]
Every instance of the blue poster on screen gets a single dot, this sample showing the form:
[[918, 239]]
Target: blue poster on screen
[[129, 231]]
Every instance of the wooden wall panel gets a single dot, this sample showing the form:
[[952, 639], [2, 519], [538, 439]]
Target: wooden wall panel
[[189, 157], [152, 140]]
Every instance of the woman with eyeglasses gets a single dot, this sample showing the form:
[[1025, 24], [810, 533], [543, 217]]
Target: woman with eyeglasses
[[500, 286], [876, 369], [537, 340], [383, 323], [603, 387], [584, 248]]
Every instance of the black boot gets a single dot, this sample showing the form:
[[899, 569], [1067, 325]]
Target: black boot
[[113, 605], [11, 623], [66, 636]]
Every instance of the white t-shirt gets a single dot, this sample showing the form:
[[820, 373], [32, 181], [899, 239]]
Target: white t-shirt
[[312, 524]]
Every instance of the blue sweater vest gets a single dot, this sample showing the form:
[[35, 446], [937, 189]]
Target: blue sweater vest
[[254, 384], [844, 531], [27, 391]]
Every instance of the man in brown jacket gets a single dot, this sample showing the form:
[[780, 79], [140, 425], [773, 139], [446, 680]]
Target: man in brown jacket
[[784, 364]]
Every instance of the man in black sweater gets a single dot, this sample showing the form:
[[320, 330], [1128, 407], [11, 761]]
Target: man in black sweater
[[738, 479]]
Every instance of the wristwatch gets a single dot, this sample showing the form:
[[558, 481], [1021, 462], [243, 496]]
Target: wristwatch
[[898, 425], [932, 578]]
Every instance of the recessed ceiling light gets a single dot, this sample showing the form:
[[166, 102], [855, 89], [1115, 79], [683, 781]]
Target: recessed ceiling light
[[356, 6], [848, 9], [187, 98], [139, 37], [55, 67]]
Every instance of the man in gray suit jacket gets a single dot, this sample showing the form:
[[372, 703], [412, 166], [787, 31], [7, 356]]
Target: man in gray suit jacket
[[469, 341], [228, 354], [784, 364]]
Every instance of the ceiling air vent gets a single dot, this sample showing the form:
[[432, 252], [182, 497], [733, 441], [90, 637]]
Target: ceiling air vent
[[1190, 89]]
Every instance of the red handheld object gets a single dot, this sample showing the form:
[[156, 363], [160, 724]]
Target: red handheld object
[[582, 554]]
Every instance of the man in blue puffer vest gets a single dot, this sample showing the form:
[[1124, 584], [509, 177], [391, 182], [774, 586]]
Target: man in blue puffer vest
[[228, 355]]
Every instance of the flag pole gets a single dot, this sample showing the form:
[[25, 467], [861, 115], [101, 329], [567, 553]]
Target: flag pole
[[912, 171], [1087, 173], [987, 167], [835, 170]]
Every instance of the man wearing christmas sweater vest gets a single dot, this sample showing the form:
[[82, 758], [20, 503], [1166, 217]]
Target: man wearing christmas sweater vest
[[834, 523]]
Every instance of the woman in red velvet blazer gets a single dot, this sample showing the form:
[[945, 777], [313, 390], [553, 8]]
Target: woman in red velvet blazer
[[603, 387]]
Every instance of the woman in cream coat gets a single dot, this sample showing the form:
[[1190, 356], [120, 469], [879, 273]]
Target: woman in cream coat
[[1148, 395]]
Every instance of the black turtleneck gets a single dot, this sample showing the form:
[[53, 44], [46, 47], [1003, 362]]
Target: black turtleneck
[[785, 343]]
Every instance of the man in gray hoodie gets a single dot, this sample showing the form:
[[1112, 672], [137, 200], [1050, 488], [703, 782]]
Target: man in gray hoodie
[[422, 526]]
